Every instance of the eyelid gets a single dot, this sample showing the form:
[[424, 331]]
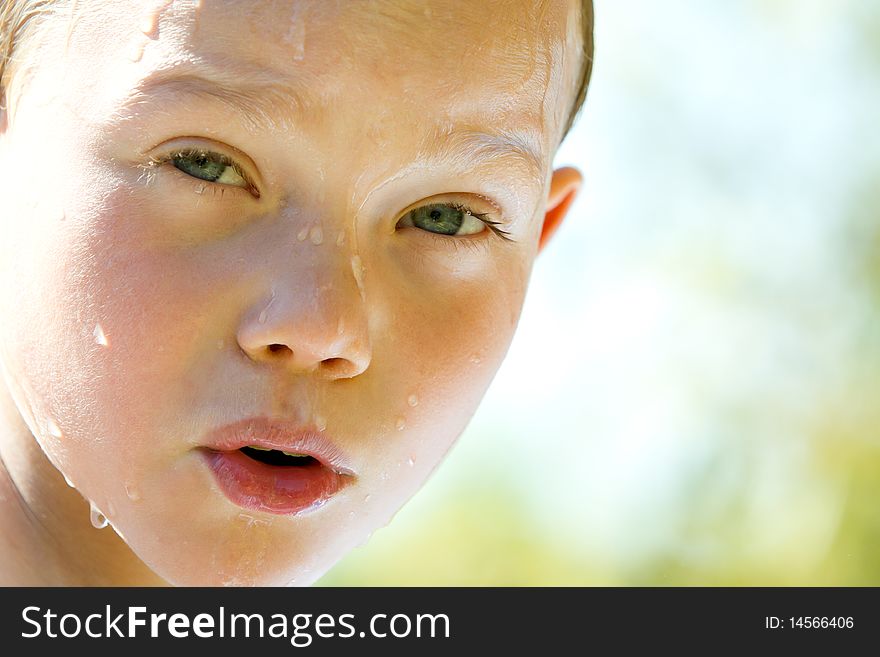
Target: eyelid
[[168, 149], [493, 225]]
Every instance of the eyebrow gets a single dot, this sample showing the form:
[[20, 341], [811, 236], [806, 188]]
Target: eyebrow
[[264, 103]]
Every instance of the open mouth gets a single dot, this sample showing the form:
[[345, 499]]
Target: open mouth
[[275, 465], [277, 457], [273, 480]]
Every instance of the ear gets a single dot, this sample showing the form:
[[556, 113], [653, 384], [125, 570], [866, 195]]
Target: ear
[[564, 186]]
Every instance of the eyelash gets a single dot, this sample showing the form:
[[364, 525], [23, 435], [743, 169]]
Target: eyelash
[[218, 189], [490, 224], [201, 185]]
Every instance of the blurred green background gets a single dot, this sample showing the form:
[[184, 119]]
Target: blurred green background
[[692, 395]]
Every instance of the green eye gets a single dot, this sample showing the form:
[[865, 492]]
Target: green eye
[[446, 219], [212, 167]]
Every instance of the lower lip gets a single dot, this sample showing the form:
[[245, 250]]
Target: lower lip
[[272, 488]]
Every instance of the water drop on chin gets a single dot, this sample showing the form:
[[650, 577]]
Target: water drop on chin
[[68, 481], [118, 532], [99, 520]]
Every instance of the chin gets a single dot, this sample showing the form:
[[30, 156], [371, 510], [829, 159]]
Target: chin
[[258, 556]]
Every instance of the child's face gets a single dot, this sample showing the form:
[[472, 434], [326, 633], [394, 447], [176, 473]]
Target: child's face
[[144, 306]]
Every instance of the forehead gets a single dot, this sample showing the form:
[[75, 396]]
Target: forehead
[[489, 63]]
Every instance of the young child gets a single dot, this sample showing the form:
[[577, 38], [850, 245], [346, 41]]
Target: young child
[[259, 263]]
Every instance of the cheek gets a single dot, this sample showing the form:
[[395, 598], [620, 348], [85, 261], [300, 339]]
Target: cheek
[[445, 335], [99, 348]]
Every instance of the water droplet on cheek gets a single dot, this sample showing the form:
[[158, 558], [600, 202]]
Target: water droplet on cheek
[[132, 493], [340, 238], [316, 235], [100, 338], [475, 359], [136, 51], [401, 424], [367, 498], [412, 400], [220, 344], [52, 428], [99, 520], [411, 461], [301, 235]]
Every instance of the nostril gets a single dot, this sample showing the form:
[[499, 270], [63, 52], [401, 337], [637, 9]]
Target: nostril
[[340, 367], [278, 347]]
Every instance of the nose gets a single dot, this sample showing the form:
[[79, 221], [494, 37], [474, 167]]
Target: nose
[[310, 326]]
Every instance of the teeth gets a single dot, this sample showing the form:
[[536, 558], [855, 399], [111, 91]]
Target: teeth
[[269, 449]]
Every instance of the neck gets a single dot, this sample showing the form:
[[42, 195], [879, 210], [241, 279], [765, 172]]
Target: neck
[[46, 534]]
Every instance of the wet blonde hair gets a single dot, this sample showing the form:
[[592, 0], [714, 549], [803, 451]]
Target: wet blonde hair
[[20, 17]]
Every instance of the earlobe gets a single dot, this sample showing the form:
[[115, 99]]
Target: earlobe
[[564, 186]]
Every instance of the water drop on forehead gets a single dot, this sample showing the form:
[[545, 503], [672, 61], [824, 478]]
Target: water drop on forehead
[[99, 520], [296, 35]]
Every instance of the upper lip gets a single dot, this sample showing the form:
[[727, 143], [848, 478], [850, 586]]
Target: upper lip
[[281, 434]]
